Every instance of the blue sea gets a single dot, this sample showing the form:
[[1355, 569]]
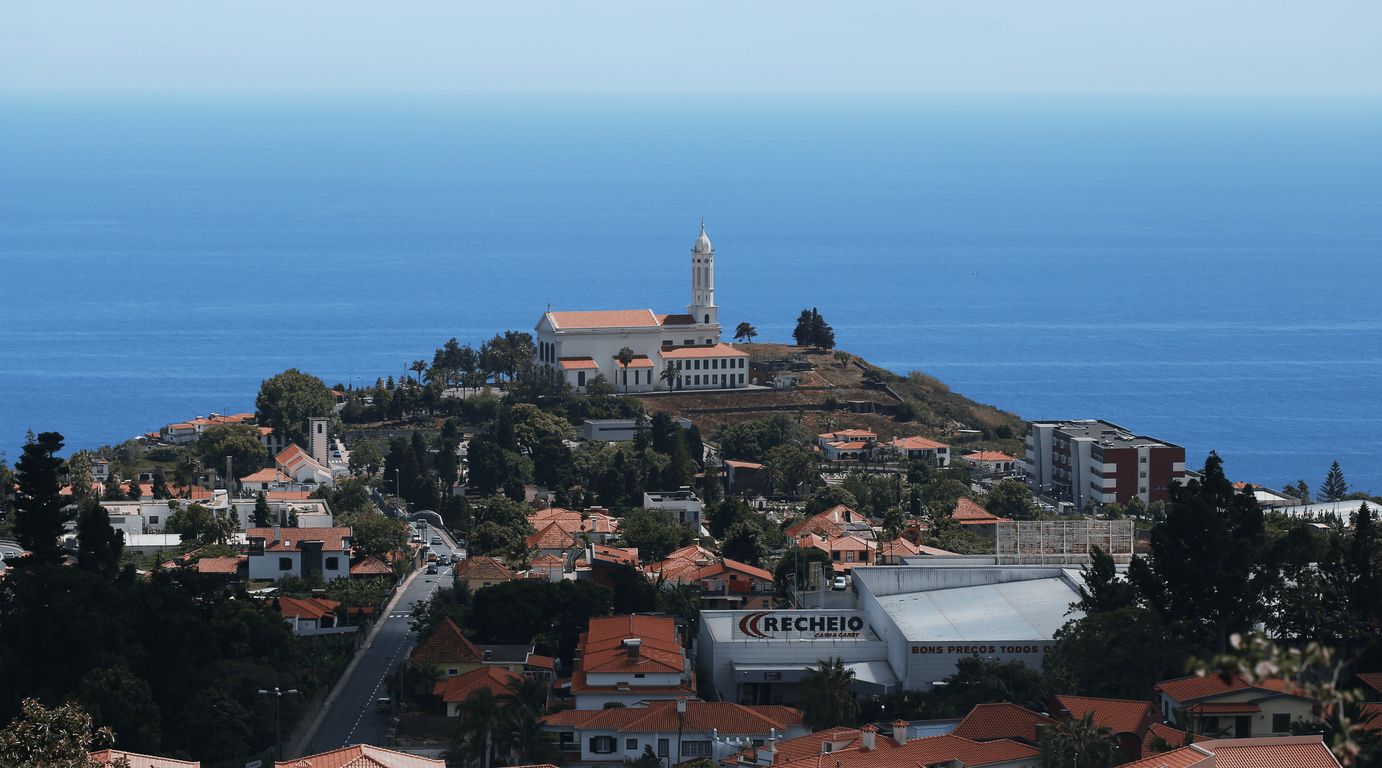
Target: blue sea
[[1206, 271]]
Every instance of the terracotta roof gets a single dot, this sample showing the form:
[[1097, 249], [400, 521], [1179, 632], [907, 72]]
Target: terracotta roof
[[551, 536], [661, 717], [681, 565], [445, 645], [287, 495], [614, 555], [577, 363], [1370, 716], [727, 565], [107, 757], [541, 662], [1272, 755], [289, 539], [917, 443], [887, 753], [371, 566], [988, 456], [969, 513], [271, 475], [483, 568], [691, 353], [549, 560], [1372, 680], [1224, 708], [840, 446], [1174, 737], [602, 647], [1001, 721], [311, 608], [1194, 687], [1185, 757], [1118, 715], [362, 756], [681, 319], [608, 318], [638, 361], [898, 547], [572, 521], [831, 522], [221, 565], [458, 688], [742, 464]]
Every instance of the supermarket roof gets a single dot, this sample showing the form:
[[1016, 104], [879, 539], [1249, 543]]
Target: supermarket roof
[[1015, 610]]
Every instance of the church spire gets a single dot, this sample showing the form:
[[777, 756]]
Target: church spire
[[702, 306]]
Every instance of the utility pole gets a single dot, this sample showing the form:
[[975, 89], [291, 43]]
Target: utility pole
[[278, 696]]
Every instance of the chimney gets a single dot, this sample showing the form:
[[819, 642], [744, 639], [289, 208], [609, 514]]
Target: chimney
[[900, 731], [772, 746], [681, 705], [277, 534], [866, 736]]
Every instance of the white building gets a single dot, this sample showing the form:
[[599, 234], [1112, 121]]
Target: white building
[[683, 503], [578, 346], [278, 552]]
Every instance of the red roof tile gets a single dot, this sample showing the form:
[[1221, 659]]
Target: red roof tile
[[371, 566], [691, 353], [1160, 733], [732, 566], [361, 756], [290, 539], [495, 679], [661, 716], [602, 648], [1118, 715], [483, 568], [1372, 680], [1185, 689], [1001, 721], [969, 513], [917, 443], [105, 758], [220, 565], [310, 608], [609, 318], [446, 645], [1185, 757], [1272, 753]]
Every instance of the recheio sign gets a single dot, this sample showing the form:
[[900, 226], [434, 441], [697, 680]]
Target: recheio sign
[[800, 625]]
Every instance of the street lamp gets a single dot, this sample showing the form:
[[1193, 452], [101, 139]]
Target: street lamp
[[396, 484], [278, 695]]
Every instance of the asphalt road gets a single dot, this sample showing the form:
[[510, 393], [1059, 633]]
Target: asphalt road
[[352, 717]]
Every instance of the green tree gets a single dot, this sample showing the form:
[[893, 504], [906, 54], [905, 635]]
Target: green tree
[[39, 515], [61, 737], [1078, 744], [114, 490], [1011, 499], [124, 703], [653, 532], [1334, 487], [745, 332], [196, 523], [669, 375], [827, 698], [160, 487], [79, 476], [263, 516], [813, 331], [480, 716], [238, 441], [794, 567], [365, 458], [789, 469], [1119, 653], [827, 497], [99, 546], [374, 534], [744, 542], [286, 401]]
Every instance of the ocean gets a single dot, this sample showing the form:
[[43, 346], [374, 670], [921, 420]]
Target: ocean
[[1205, 271]]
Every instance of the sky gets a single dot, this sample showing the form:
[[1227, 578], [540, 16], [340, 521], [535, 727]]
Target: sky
[[1193, 47]]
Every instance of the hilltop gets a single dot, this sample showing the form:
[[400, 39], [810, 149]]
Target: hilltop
[[837, 389]]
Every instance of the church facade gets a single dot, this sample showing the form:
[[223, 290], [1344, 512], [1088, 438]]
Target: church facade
[[579, 346]]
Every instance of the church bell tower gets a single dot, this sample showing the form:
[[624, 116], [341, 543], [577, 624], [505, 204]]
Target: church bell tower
[[702, 307]]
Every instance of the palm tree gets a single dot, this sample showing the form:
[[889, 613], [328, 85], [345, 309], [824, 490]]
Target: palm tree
[[829, 700], [745, 332], [479, 717], [669, 375], [418, 367], [527, 692], [1077, 744], [625, 357]]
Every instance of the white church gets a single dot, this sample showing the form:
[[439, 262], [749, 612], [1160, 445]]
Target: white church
[[583, 345]]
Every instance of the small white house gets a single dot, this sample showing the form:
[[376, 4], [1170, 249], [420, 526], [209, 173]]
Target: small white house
[[278, 552]]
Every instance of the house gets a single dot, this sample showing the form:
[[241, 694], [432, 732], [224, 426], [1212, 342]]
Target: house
[[741, 476], [370, 567], [834, 522], [683, 503], [676, 731], [107, 758], [918, 448], [627, 660], [991, 463], [305, 614], [732, 584], [225, 568], [1216, 706], [845, 551], [361, 756], [847, 436], [681, 565], [272, 479], [603, 563], [278, 552], [1163, 738], [1127, 720], [480, 572], [1089, 463], [559, 530], [893, 552], [866, 748], [548, 566], [1275, 752], [300, 466], [967, 512], [520, 660], [448, 650], [989, 722], [453, 691]]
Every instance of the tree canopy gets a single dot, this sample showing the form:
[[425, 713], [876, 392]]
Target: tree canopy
[[287, 400]]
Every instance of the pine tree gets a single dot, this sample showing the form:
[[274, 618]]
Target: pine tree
[[39, 517], [160, 489], [136, 491], [263, 516], [99, 545], [802, 333], [113, 490], [1334, 488]]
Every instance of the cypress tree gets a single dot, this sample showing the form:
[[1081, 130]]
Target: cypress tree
[[1334, 488], [160, 489], [99, 545], [39, 517], [263, 517]]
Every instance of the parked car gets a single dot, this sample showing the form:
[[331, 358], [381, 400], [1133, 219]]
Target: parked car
[[840, 582]]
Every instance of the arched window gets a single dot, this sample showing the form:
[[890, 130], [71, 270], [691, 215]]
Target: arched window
[[707, 319]]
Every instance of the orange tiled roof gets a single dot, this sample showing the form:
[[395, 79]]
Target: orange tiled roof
[[289, 539], [270, 475], [661, 717], [314, 608], [459, 688], [742, 464], [898, 547], [361, 756], [548, 560], [1372, 680], [681, 565], [446, 644], [483, 568], [1118, 715], [1273, 754], [219, 565], [1160, 732], [371, 566], [831, 522], [988, 456], [691, 353], [1185, 757], [105, 758], [615, 555], [969, 513], [577, 363], [1001, 721], [727, 566], [930, 750], [1194, 687], [552, 536], [659, 652], [607, 318], [917, 443]]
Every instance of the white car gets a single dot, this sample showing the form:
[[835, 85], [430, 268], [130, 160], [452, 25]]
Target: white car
[[840, 582]]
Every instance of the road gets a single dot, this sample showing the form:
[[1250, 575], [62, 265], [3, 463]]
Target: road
[[352, 717]]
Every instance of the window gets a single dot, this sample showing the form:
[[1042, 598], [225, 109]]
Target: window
[[689, 342], [153, 520], [333, 563], [452, 672], [1281, 723], [1142, 489], [602, 745], [638, 675], [1209, 726], [664, 747], [834, 555], [631, 745], [666, 342], [695, 748], [1142, 460], [285, 563], [580, 378]]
